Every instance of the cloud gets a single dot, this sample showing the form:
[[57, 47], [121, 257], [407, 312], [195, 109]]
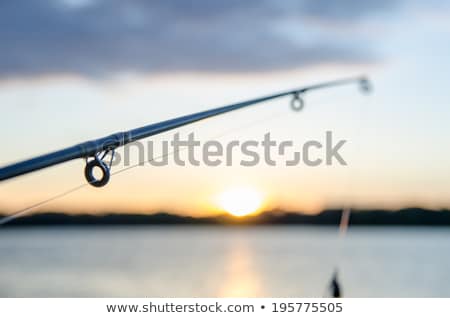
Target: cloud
[[103, 37], [345, 10]]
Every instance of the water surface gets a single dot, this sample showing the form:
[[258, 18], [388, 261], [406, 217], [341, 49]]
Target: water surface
[[210, 261]]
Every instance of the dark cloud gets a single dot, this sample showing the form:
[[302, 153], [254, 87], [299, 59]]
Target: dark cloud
[[345, 10], [101, 37]]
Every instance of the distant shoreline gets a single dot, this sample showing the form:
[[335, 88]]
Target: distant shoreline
[[403, 217]]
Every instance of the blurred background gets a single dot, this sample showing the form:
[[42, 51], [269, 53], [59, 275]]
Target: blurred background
[[74, 70]]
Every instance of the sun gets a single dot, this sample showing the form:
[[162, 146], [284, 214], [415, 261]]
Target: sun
[[240, 201]]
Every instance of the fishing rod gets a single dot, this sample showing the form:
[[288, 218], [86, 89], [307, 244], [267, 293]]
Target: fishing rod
[[95, 151]]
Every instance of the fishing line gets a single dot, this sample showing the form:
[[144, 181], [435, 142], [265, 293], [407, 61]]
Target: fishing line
[[23, 211], [346, 209], [28, 209], [343, 229]]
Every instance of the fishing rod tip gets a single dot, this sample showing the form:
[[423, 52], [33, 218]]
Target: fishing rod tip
[[365, 85]]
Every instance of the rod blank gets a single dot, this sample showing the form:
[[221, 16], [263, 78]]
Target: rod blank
[[94, 147]]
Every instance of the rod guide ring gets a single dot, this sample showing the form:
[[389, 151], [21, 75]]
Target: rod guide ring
[[89, 172], [297, 103], [364, 85]]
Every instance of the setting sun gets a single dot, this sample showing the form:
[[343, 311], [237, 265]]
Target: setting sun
[[240, 201]]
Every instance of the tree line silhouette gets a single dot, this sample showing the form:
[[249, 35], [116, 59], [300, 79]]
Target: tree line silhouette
[[403, 217]]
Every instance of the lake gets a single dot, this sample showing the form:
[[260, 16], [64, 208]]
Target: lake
[[215, 261]]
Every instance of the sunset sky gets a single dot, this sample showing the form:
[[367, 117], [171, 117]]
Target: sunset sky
[[76, 70]]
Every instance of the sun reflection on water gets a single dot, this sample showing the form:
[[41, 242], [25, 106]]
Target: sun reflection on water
[[241, 276]]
